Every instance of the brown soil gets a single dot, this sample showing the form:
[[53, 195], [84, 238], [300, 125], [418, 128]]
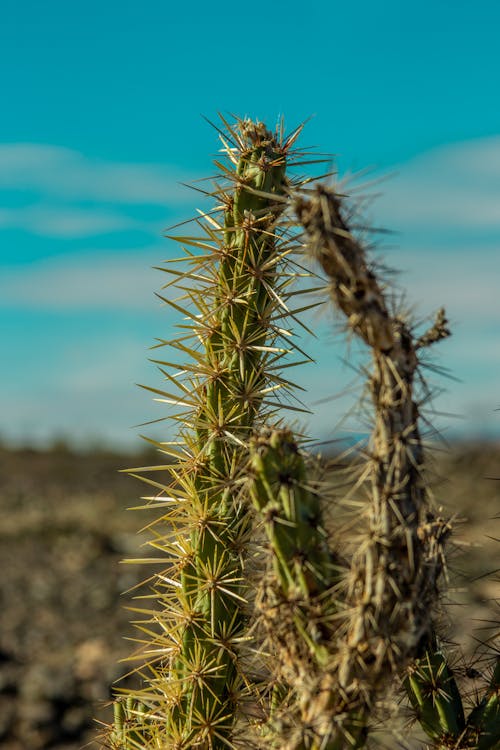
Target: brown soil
[[65, 530]]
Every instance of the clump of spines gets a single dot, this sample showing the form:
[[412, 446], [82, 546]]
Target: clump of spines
[[233, 292]]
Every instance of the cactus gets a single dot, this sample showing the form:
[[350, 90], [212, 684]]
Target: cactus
[[433, 693], [268, 629], [483, 724], [299, 606], [438, 704], [393, 586], [128, 724], [233, 295]]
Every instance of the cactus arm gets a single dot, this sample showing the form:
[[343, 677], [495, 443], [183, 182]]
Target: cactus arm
[[298, 610], [393, 578], [291, 513], [434, 694], [128, 724], [214, 579], [483, 724]]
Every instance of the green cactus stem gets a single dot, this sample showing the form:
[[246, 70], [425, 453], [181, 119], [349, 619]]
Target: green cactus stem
[[483, 724], [435, 697], [434, 694], [233, 297], [128, 724], [299, 609], [291, 514]]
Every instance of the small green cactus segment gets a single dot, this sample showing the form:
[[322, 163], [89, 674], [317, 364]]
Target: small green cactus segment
[[130, 717], [291, 514], [233, 296], [483, 724], [435, 697], [434, 694], [298, 607]]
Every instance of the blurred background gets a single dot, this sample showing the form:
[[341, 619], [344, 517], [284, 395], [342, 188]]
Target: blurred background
[[102, 124]]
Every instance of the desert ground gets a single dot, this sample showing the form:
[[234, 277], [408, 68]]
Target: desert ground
[[66, 528]]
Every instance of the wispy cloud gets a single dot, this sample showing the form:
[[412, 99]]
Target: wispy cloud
[[85, 282], [452, 187], [57, 192], [465, 280], [65, 221], [64, 173]]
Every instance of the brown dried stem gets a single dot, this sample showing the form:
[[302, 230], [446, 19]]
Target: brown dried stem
[[393, 584]]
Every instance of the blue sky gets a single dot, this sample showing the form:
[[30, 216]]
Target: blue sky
[[102, 119]]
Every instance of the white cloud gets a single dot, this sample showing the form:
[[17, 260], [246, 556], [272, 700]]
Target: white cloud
[[64, 222], [63, 183], [452, 187], [455, 187], [90, 281], [84, 384], [64, 173], [464, 281], [479, 157]]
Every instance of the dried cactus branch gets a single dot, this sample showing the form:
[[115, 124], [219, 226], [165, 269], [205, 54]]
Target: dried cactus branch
[[394, 576]]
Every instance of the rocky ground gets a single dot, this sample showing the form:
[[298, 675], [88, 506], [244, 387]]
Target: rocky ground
[[64, 531]]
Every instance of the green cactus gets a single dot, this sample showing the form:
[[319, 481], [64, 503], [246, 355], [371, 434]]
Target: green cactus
[[433, 693], [483, 724], [299, 612], [232, 296], [292, 515], [435, 696], [296, 657], [128, 724]]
